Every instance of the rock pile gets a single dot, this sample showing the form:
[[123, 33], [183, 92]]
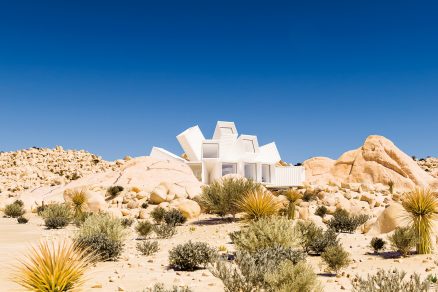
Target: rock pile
[[430, 165]]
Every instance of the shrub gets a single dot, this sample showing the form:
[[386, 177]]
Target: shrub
[[336, 258], [22, 220], [14, 210], [292, 196], [19, 203], [266, 232], [258, 203], [144, 205], [53, 267], [377, 244], [174, 217], [403, 240], [422, 208], [342, 221], [321, 211], [127, 222], [310, 195], [57, 215], [79, 200], [158, 214], [114, 191], [314, 239], [292, 278], [104, 234], [164, 231], [147, 247], [144, 228], [159, 287], [390, 281], [221, 196], [191, 255]]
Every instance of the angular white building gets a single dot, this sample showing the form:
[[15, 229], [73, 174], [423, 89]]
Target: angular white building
[[229, 153]]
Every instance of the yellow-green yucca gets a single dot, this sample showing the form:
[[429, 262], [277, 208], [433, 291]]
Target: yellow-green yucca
[[421, 206], [293, 196], [53, 267], [78, 199], [259, 203]]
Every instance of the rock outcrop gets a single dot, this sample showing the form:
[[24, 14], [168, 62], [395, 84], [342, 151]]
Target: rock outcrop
[[377, 161], [430, 165]]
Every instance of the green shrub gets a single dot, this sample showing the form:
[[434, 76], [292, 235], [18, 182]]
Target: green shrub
[[164, 231], [266, 232], [158, 214], [114, 191], [144, 205], [159, 287], [321, 211], [292, 278], [19, 203], [127, 222], [22, 220], [191, 255], [377, 244], [390, 281], [314, 239], [14, 210], [80, 218], [104, 234], [174, 217], [342, 221], [403, 240], [147, 247], [221, 197], [144, 228], [258, 204], [57, 215], [310, 195], [336, 258]]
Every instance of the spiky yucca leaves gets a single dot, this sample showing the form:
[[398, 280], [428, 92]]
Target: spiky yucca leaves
[[53, 267], [422, 208], [79, 200], [293, 196], [258, 203]]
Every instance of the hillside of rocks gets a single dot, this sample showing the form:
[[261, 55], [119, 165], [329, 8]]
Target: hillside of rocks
[[430, 165], [378, 160], [40, 167]]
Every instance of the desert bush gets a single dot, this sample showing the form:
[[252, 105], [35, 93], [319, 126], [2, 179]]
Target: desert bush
[[144, 205], [144, 228], [127, 222], [52, 267], [314, 239], [292, 278], [22, 220], [258, 203], [377, 244], [336, 258], [103, 234], [310, 195], [403, 240], [57, 215], [422, 208], [174, 217], [292, 196], [164, 231], [266, 232], [114, 191], [342, 221], [80, 218], [147, 247], [159, 287], [390, 281], [321, 211], [221, 197], [191, 255], [19, 203], [158, 214], [14, 210], [79, 201]]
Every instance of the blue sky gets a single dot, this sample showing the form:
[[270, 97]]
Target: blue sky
[[317, 77]]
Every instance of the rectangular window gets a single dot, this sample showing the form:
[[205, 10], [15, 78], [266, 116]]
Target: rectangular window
[[210, 150], [266, 173], [229, 168], [251, 171], [248, 145], [226, 130]]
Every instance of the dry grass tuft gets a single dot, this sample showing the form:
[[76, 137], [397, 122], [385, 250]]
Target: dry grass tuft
[[258, 204]]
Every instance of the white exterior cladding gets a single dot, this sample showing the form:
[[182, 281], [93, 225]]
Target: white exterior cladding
[[229, 153]]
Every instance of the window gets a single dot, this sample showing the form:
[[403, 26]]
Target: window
[[210, 150], [229, 168], [226, 130], [266, 173], [248, 145], [251, 171]]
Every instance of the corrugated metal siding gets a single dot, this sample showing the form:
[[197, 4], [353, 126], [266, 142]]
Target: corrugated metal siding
[[289, 176]]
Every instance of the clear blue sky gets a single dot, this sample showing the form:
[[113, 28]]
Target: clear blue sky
[[317, 77]]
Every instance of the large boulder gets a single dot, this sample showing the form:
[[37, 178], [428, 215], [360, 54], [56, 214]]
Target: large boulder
[[189, 208], [392, 217]]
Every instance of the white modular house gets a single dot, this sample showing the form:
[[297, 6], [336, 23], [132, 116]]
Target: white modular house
[[228, 153]]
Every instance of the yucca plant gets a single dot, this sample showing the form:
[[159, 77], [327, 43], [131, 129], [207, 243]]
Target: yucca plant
[[421, 206], [293, 196], [258, 203], [53, 267], [79, 200]]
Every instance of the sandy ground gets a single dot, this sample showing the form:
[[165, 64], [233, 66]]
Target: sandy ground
[[135, 272]]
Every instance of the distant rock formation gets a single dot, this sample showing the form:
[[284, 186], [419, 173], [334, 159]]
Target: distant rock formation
[[430, 165], [377, 161]]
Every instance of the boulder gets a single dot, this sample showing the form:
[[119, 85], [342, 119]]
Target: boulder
[[158, 195], [392, 217], [143, 214], [189, 208]]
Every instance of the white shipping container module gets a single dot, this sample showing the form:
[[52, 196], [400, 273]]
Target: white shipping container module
[[229, 153]]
